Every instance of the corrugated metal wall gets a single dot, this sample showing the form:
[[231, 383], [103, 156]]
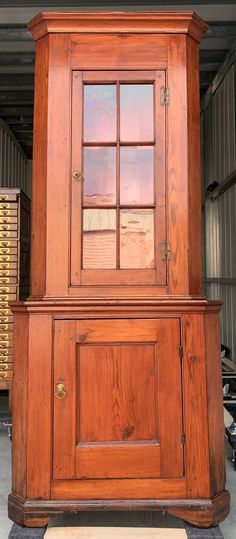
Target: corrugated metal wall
[[220, 212], [15, 168], [220, 155]]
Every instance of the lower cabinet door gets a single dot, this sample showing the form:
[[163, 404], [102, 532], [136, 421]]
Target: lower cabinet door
[[117, 401]]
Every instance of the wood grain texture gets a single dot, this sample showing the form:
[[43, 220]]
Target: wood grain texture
[[177, 167], [199, 512], [124, 51], [195, 410], [123, 434], [76, 186], [123, 489], [58, 166], [126, 374], [64, 418], [109, 457], [39, 171], [107, 22], [19, 404], [215, 404], [160, 183], [169, 397], [127, 460], [205, 517], [39, 411], [194, 180]]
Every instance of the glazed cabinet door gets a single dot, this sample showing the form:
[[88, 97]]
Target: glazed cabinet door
[[117, 399], [118, 179]]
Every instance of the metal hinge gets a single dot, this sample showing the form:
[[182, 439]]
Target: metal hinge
[[183, 439], [166, 252], [181, 352], [165, 96]]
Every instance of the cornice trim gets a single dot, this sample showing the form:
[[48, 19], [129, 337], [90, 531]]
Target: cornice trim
[[145, 22]]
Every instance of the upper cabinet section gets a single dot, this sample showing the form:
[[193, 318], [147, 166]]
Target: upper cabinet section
[[116, 184]]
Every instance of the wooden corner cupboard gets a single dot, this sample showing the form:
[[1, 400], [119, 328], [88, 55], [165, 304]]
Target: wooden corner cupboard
[[117, 397]]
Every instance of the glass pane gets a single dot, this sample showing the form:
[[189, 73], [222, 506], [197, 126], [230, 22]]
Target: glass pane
[[99, 239], [100, 113], [137, 239], [136, 175], [136, 112], [100, 176]]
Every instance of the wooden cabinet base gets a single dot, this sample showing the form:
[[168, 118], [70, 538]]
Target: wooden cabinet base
[[200, 513]]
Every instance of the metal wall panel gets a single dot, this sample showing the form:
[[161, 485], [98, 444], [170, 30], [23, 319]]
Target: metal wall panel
[[15, 168], [220, 143], [220, 235]]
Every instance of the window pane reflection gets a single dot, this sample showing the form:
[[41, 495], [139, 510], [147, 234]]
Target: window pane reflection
[[100, 113], [136, 175], [136, 239], [100, 176], [99, 239], [136, 112]]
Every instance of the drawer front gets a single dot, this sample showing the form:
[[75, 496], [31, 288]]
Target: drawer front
[[8, 212], [6, 375], [6, 367]]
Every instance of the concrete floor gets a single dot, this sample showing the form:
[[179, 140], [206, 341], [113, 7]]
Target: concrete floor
[[228, 527]]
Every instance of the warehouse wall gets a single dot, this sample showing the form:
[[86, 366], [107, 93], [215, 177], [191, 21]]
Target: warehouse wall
[[15, 168], [220, 204]]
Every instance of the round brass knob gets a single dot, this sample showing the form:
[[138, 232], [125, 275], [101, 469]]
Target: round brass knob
[[78, 176]]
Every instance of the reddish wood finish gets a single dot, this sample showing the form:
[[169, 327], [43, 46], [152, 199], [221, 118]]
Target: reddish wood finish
[[215, 410], [39, 171], [137, 426], [182, 22], [125, 434]]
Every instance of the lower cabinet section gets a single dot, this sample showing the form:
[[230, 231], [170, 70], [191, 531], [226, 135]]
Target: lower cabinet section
[[120, 410]]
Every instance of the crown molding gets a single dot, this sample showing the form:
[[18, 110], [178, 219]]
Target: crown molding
[[154, 22]]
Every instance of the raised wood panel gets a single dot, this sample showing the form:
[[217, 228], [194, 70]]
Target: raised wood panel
[[118, 461], [116, 435], [126, 374], [90, 52]]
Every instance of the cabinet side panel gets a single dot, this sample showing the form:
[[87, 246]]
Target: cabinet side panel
[[19, 404], [194, 183], [215, 405], [40, 169], [195, 400], [39, 407], [177, 195]]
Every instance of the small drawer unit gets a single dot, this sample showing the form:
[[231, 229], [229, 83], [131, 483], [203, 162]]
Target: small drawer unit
[[14, 270]]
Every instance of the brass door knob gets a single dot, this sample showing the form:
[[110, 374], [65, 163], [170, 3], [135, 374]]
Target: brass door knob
[[60, 390], [78, 176]]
